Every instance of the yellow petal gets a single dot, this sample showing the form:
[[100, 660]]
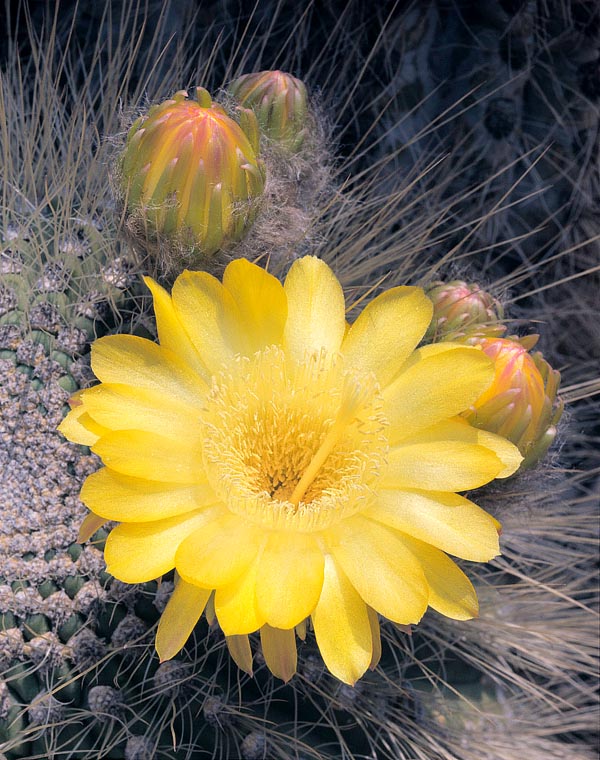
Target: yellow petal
[[171, 333], [179, 618], [89, 526], [210, 316], [381, 569], [290, 578], [124, 407], [151, 456], [342, 628], [235, 605], [261, 301], [376, 637], [444, 465], [219, 552], [507, 452], [140, 552], [451, 593], [79, 427], [301, 630], [458, 429], [126, 499], [279, 651], [209, 612], [387, 331], [241, 654], [434, 385], [129, 360], [316, 309], [446, 520]]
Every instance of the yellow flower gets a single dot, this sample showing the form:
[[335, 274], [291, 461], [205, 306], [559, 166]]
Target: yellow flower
[[297, 467]]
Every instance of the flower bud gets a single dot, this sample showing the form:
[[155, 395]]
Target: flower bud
[[521, 403], [190, 173], [462, 310], [280, 103]]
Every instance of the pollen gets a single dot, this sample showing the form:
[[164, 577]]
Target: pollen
[[294, 446]]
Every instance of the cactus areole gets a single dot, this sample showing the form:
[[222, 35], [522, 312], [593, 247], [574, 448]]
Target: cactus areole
[[191, 173]]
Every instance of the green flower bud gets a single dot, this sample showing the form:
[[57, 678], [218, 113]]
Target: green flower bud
[[280, 103], [462, 310]]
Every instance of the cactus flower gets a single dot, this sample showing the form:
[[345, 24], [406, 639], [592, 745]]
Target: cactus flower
[[462, 310], [280, 102], [521, 404], [192, 173], [289, 466]]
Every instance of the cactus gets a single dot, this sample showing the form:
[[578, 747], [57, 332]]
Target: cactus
[[90, 685]]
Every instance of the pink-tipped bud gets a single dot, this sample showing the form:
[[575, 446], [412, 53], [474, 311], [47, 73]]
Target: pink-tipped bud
[[190, 173], [462, 310], [280, 103], [521, 404]]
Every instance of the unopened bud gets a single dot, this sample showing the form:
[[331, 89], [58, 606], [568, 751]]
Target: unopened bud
[[191, 174], [521, 404], [462, 310], [280, 103]]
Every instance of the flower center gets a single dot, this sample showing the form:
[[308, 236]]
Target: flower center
[[297, 446]]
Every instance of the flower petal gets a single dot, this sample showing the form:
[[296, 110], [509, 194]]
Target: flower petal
[[376, 637], [290, 573], [279, 651], [451, 593], [446, 520], [130, 360], [261, 301], [341, 624], [235, 604], [219, 552], [507, 452], [120, 497], [458, 429], [435, 385], [316, 309], [381, 569], [179, 618], [171, 333], [241, 654], [211, 318], [89, 526], [443, 465], [140, 552], [152, 456], [125, 407], [79, 427], [387, 331]]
